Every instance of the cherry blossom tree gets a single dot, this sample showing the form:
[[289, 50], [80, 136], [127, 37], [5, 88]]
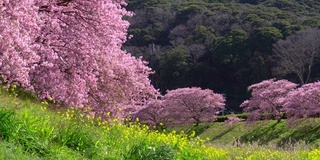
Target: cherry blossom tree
[[151, 114], [192, 105], [70, 51], [182, 106], [267, 99], [303, 102]]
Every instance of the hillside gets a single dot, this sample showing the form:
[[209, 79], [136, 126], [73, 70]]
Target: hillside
[[222, 45], [306, 135], [33, 130]]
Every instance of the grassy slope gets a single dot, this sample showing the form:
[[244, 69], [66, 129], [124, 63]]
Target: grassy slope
[[30, 131], [26, 130], [305, 133]]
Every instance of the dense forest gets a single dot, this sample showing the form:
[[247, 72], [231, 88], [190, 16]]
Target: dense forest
[[226, 45]]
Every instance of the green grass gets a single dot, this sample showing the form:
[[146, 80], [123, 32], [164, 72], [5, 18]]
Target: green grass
[[33, 130], [38, 131], [305, 134]]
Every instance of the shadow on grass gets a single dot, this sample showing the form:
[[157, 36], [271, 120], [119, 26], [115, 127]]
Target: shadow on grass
[[263, 134], [307, 131], [222, 134], [198, 129]]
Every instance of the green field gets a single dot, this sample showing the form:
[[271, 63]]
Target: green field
[[31, 129]]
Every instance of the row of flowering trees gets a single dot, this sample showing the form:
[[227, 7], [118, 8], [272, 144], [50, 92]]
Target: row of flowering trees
[[274, 99], [271, 99], [69, 51]]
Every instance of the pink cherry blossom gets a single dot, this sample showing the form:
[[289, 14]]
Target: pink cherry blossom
[[303, 102], [70, 51], [182, 106], [232, 120], [267, 99]]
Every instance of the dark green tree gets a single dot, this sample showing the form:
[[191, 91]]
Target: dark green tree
[[173, 68]]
